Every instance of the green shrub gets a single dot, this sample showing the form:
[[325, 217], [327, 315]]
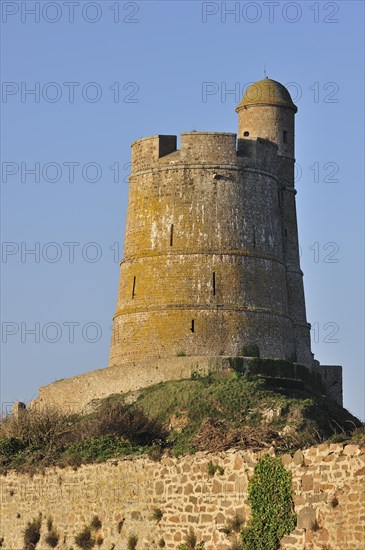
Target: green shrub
[[84, 539], [32, 533], [161, 543], [116, 418], [44, 427], [270, 496], [10, 446], [98, 449]]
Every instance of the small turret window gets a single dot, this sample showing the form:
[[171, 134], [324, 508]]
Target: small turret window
[[285, 136], [192, 328], [246, 134]]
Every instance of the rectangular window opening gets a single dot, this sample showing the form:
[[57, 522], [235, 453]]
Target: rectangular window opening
[[134, 287], [254, 236], [192, 328], [279, 198], [213, 283], [172, 234], [285, 136]]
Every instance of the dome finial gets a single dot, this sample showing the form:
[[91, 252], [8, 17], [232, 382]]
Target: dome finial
[[265, 73]]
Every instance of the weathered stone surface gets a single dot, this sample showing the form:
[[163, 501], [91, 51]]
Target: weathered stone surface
[[306, 518], [125, 492], [307, 482], [298, 458]]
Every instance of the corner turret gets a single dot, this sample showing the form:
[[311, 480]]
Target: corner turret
[[267, 111]]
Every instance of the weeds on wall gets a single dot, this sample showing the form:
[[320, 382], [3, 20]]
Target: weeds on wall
[[88, 536], [85, 540], [213, 468], [191, 542], [157, 515], [52, 537], [270, 496], [32, 533], [234, 525], [132, 542], [96, 523]]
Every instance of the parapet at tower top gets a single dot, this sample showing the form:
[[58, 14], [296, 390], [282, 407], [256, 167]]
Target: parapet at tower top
[[267, 92]]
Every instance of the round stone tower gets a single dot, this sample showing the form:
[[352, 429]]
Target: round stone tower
[[267, 111], [211, 262]]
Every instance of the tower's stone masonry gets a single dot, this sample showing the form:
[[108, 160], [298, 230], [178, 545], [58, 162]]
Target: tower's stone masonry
[[211, 258]]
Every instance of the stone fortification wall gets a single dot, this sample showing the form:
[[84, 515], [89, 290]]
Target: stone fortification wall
[[328, 485]]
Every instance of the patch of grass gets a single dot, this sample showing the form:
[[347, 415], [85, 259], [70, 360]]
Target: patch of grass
[[155, 452], [157, 514], [52, 538], [191, 542], [213, 468], [96, 523], [229, 409], [99, 449], [132, 542], [235, 523], [85, 540], [40, 438], [32, 533]]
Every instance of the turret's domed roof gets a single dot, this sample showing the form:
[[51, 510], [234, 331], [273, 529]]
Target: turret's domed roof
[[267, 92]]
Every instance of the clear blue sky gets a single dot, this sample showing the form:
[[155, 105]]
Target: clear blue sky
[[159, 57]]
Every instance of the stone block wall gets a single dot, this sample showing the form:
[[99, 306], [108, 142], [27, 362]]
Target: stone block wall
[[327, 480]]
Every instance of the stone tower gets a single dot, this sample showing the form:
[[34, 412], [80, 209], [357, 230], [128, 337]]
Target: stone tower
[[211, 257]]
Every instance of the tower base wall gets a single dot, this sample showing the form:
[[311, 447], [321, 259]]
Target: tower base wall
[[75, 395]]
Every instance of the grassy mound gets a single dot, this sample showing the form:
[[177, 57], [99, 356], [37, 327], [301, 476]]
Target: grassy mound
[[230, 409], [215, 412]]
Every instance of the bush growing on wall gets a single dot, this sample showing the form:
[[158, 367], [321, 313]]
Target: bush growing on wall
[[270, 495]]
